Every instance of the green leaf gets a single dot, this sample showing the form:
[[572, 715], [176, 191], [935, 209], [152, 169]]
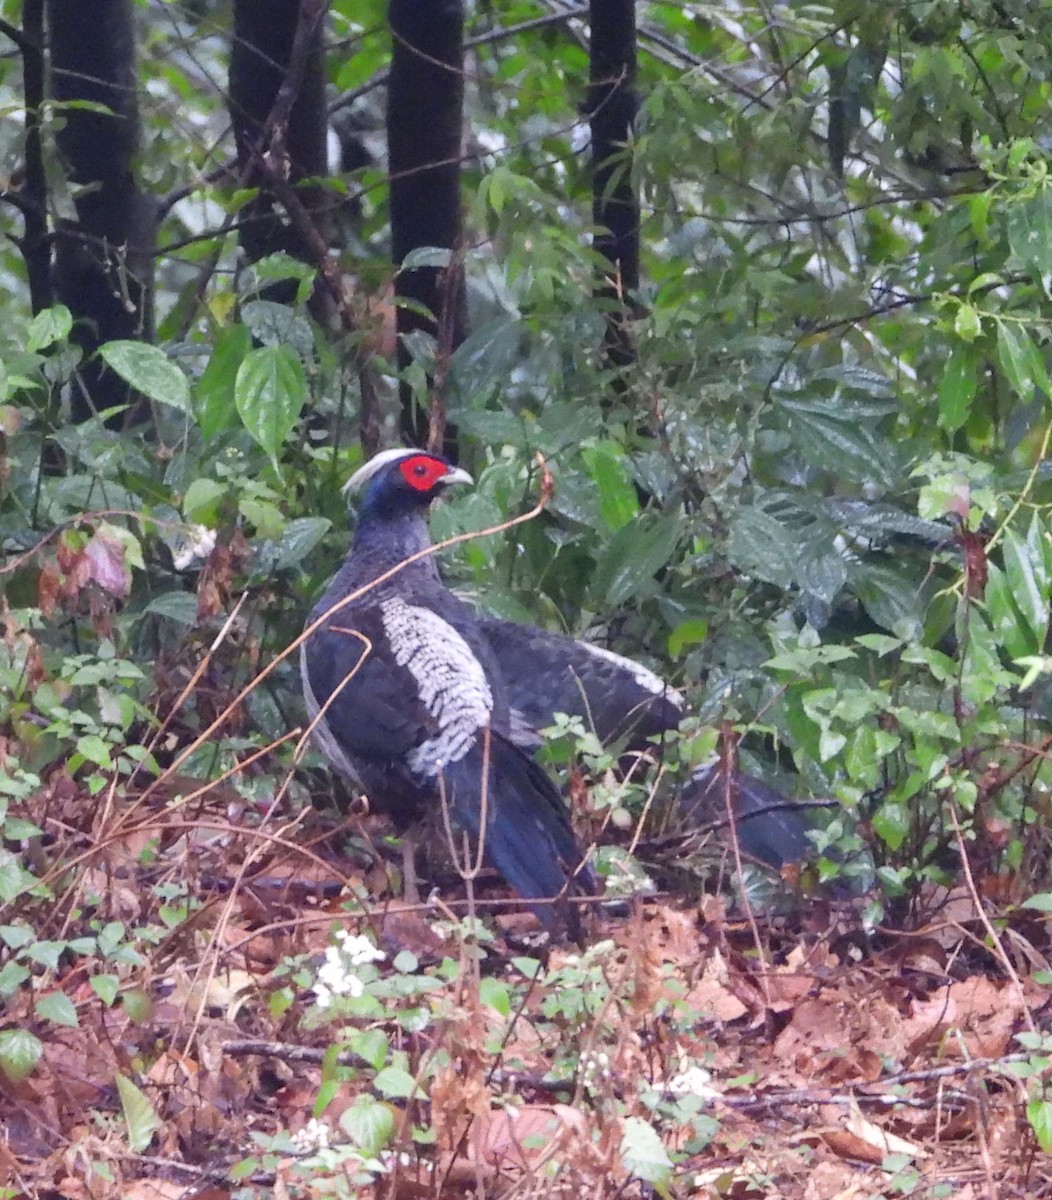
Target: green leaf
[[175, 606], [57, 1007], [298, 539], [426, 256], [201, 500], [1021, 360], [496, 994], [1025, 571], [269, 391], [369, 1124], [396, 1083], [371, 1045], [1039, 1114], [644, 1154], [1012, 629], [967, 324], [106, 987], [1042, 902], [49, 326], [617, 493], [633, 557], [20, 1052], [149, 371], [214, 395], [957, 388], [687, 633], [140, 1119], [1030, 232]]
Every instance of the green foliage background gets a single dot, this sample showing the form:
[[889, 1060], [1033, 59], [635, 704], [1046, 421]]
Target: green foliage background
[[842, 348]]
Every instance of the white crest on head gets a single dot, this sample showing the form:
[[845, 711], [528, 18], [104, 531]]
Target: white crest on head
[[368, 469], [450, 679]]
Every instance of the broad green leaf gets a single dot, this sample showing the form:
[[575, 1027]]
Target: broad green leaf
[[1025, 572], [633, 557], [57, 1007], [617, 493], [371, 1045], [149, 371], [369, 1124], [957, 388], [106, 987], [426, 256], [496, 994], [214, 404], [201, 499], [396, 1083], [48, 327], [1039, 1114], [20, 1052], [644, 1154], [175, 606], [1021, 360], [298, 539], [687, 633], [269, 391], [760, 545], [967, 324], [140, 1120], [1029, 225], [1011, 628], [1042, 902]]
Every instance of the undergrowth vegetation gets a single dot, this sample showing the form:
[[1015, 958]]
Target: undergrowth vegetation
[[820, 507]]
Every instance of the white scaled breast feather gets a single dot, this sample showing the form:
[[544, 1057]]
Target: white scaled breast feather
[[450, 679]]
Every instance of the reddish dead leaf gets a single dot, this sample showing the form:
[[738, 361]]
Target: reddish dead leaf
[[109, 570], [49, 590], [525, 1137]]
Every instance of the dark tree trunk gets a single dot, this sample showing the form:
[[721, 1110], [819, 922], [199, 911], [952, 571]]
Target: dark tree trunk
[[36, 248], [103, 259], [612, 105], [276, 101], [425, 114]]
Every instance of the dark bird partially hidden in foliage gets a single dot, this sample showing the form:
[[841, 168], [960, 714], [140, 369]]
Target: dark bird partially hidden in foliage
[[620, 700], [413, 704]]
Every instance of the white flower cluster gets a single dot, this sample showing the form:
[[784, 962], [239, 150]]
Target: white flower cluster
[[338, 974], [314, 1136], [595, 1067], [694, 1081], [198, 543]]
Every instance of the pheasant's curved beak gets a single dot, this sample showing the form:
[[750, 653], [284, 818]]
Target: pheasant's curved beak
[[455, 475]]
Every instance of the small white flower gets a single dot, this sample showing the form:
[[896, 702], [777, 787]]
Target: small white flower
[[358, 949], [694, 1081], [198, 543], [312, 1137], [338, 974]]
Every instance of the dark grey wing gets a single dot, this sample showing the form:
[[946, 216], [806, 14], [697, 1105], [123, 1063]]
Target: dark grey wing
[[547, 673]]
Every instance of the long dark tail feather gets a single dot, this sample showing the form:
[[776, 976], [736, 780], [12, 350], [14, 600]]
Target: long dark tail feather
[[771, 827], [528, 838]]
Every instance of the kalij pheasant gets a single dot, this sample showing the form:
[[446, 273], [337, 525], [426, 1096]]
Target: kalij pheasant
[[619, 699], [413, 705]]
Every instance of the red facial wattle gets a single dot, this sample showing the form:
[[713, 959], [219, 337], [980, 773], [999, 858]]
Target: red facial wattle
[[423, 471]]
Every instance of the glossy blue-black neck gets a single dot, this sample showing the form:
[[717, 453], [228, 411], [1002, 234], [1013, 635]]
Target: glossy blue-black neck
[[392, 522]]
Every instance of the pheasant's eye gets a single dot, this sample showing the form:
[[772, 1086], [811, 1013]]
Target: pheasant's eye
[[420, 470]]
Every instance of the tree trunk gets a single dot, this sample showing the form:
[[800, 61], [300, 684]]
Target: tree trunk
[[104, 258], [261, 65], [612, 106], [425, 114]]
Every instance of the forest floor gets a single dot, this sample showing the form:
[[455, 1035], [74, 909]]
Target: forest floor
[[687, 1049]]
